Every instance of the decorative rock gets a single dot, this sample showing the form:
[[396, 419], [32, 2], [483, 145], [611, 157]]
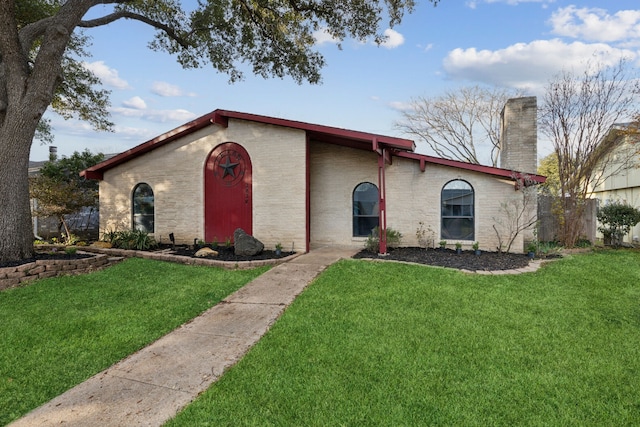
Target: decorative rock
[[245, 244], [206, 252]]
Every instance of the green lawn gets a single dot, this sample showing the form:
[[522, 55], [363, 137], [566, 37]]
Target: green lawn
[[399, 345], [58, 332]]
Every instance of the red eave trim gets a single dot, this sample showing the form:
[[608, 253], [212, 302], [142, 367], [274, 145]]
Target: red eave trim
[[318, 130], [97, 171], [221, 117], [499, 172]]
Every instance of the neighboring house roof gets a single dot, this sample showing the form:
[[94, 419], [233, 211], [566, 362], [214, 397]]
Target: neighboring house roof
[[350, 138], [34, 167]]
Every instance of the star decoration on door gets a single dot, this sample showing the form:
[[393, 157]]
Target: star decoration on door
[[228, 168]]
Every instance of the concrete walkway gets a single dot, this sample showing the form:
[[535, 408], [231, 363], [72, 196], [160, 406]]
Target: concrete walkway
[[153, 385]]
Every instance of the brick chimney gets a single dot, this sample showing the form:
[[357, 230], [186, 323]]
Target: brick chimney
[[519, 135]]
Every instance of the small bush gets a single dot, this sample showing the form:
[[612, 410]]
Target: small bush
[[617, 220], [373, 240], [130, 240]]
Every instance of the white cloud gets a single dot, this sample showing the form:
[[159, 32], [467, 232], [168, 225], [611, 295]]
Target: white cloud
[[322, 36], [400, 106], [136, 103], [426, 48], [595, 24], [394, 39], [527, 66], [133, 133], [108, 76], [159, 116], [168, 89]]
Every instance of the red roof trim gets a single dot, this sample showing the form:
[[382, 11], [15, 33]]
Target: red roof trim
[[399, 146], [97, 171], [320, 130], [221, 117], [490, 170]]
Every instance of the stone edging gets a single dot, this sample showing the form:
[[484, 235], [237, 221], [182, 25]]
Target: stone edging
[[181, 259], [11, 277], [531, 268]]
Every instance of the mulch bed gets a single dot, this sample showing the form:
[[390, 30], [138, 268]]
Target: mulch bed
[[227, 253], [467, 260]]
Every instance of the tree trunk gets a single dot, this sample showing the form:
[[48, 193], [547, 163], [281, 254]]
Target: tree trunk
[[16, 228]]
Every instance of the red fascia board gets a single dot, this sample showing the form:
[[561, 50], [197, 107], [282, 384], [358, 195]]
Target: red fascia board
[[221, 117], [320, 131], [490, 170]]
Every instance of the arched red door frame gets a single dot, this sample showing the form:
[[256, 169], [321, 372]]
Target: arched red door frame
[[228, 198]]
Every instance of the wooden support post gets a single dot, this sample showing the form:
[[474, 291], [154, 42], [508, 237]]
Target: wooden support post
[[382, 226]]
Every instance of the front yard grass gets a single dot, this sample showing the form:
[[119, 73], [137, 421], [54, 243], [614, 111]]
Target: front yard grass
[[58, 332], [391, 344]]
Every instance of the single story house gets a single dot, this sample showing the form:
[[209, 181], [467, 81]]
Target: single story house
[[306, 185]]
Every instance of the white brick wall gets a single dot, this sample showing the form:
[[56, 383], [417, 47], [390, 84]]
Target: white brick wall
[[175, 172], [412, 196], [278, 155], [335, 172]]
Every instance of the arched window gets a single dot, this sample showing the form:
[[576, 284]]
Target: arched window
[[457, 200], [366, 212], [143, 208]]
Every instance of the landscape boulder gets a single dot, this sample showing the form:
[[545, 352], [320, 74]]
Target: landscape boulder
[[245, 244], [206, 252]]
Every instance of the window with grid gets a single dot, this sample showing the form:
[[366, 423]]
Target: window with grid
[[457, 211]]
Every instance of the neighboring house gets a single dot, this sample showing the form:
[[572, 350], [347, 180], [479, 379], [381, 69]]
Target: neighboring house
[[307, 185], [620, 178]]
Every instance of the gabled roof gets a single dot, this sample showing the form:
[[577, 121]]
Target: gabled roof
[[361, 140], [328, 134]]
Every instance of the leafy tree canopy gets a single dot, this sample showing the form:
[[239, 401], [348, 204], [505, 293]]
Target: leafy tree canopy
[[549, 167], [59, 189]]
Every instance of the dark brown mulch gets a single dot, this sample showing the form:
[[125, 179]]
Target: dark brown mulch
[[46, 256], [228, 254], [467, 260]]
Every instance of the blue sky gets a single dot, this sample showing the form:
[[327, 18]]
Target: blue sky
[[511, 43]]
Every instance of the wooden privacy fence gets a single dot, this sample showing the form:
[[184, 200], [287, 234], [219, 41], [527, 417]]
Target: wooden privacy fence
[[549, 226]]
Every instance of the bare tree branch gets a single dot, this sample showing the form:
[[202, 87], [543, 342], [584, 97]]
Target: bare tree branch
[[459, 124]]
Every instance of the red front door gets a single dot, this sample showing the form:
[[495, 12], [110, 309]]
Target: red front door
[[227, 198]]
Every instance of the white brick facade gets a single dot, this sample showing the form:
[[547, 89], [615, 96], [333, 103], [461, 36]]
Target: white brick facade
[[175, 172], [300, 185]]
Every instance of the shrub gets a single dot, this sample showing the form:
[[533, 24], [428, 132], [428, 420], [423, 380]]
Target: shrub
[[373, 240], [130, 239], [617, 219]]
